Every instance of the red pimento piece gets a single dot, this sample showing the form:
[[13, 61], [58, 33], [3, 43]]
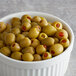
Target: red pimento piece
[[29, 18], [52, 52], [45, 46], [23, 28], [32, 41], [13, 45], [57, 25], [45, 54], [43, 36], [61, 34], [63, 41], [38, 28]]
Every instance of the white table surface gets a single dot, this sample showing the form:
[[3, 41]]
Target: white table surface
[[65, 9]]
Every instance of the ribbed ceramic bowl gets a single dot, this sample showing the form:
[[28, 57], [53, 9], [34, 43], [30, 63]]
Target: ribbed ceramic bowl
[[56, 66]]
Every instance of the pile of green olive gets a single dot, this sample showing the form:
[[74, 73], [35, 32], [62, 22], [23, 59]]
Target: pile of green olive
[[32, 39]]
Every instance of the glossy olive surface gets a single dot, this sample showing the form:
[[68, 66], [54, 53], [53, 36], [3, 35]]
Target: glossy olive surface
[[33, 38]]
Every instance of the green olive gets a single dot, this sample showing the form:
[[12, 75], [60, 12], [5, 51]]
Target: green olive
[[16, 24], [43, 22], [8, 28], [49, 30], [42, 36], [16, 31], [15, 19], [38, 28], [26, 26], [35, 42], [10, 38], [32, 39], [56, 40], [25, 42], [33, 24], [26, 16], [33, 33], [40, 49], [3, 35], [36, 19], [25, 34], [26, 20], [46, 55], [37, 57], [56, 49], [19, 37], [65, 42], [28, 50], [5, 50], [57, 25], [48, 41], [15, 47], [27, 57], [1, 44], [16, 55], [2, 26], [61, 34]]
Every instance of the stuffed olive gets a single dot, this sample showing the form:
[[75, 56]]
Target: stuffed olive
[[37, 57], [27, 57], [56, 40], [46, 55], [15, 19], [43, 22], [19, 37], [40, 49], [61, 34], [48, 41], [65, 42], [57, 25], [42, 36], [25, 42], [26, 26], [8, 28], [49, 30], [10, 38], [16, 31], [28, 50], [2, 26], [34, 24], [56, 49], [33, 33], [15, 47], [16, 55], [26, 16], [36, 19], [33, 38], [6, 51], [35, 42]]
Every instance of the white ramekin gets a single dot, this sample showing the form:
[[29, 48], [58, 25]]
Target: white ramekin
[[56, 66]]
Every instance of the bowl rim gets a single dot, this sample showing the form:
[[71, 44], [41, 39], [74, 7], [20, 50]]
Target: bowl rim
[[34, 62]]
